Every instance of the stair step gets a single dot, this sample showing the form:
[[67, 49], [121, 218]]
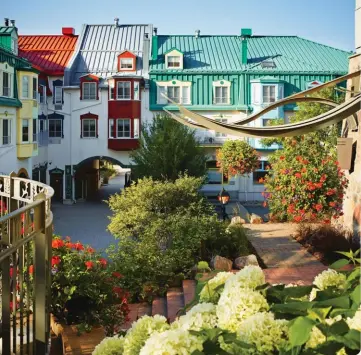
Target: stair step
[[137, 310], [175, 302], [159, 306], [189, 291]]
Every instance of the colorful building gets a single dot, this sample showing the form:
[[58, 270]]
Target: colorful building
[[18, 106], [229, 77]]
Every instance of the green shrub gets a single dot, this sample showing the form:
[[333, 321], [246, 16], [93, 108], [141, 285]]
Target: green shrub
[[203, 266]]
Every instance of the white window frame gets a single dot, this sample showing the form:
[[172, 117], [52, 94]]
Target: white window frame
[[83, 121], [8, 133], [58, 94], [136, 89], [22, 129], [136, 128], [221, 120], [10, 93], [130, 128], [61, 125], [35, 89], [90, 84], [130, 90], [23, 86], [111, 128], [184, 88], [126, 60], [172, 60], [226, 86], [268, 95], [111, 84]]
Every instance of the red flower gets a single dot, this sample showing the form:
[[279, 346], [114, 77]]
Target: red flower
[[117, 274], [117, 290], [326, 221], [318, 207], [298, 175], [323, 178], [89, 265], [55, 260], [297, 219], [11, 272], [78, 246], [22, 217], [282, 157], [22, 230], [319, 185], [69, 245], [261, 180], [57, 243], [332, 204], [298, 158], [90, 250], [304, 170], [330, 192], [291, 208], [305, 161], [102, 261], [31, 269]]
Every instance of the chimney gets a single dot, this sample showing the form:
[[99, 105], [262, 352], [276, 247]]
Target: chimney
[[116, 22], [6, 22], [146, 54], [12, 23], [155, 44], [68, 31], [245, 34], [197, 33]]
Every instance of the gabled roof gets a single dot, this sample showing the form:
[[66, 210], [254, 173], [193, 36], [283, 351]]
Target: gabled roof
[[99, 46], [7, 30], [215, 53], [48, 53]]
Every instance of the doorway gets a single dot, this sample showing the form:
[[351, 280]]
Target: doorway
[[56, 182]]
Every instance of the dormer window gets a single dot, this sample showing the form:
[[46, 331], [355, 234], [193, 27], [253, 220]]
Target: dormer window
[[174, 59], [126, 61], [89, 85]]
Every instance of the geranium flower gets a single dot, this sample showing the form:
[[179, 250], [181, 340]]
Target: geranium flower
[[78, 246], [102, 261], [297, 219], [69, 245], [55, 260], [298, 175], [90, 250], [332, 204], [117, 274], [31, 269], [330, 192], [89, 265], [22, 230], [318, 207], [11, 272], [282, 157], [57, 243]]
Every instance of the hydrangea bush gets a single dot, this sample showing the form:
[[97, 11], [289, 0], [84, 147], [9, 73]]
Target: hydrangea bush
[[248, 316]]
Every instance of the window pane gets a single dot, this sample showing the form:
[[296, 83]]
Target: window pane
[[123, 128], [136, 127], [55, 128], [6, 132], [35, 130], [174, 61], [6, 84], [25, 87], [111, 128], [136, 90], [185, 95], [58, 95], [35, 88], [123, 91], [126, 63], [25, 130]]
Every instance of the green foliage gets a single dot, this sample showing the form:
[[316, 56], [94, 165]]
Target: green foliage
[[160, 227], [305, 183], [237, 157], [168, 148], [203, 266]]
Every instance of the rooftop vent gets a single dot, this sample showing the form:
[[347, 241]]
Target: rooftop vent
[[6, 22], [68, 31], [197, 33], [116, 22], [12, 23], [268, 64], [155, 31]]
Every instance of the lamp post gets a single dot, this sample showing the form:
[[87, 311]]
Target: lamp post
[[223, 198]]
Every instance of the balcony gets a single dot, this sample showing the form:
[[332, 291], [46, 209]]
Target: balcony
[[123, 144], [26, 236]]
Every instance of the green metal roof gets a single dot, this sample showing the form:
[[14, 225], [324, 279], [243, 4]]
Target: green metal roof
[[6, 30], [290, 54]]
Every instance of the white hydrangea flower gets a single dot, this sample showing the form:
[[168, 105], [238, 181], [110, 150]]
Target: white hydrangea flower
[[208, 293], [141, 330], [172, 342], [355, 322], [265, 332], [201, 316], [237, 304], [110, 346], [316, 338], [249, 277], [330, 278]]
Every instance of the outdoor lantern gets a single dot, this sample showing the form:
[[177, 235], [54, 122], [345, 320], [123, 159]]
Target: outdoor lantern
[[223, 197]]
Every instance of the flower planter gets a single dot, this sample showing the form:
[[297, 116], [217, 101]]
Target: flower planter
[[74, 344]]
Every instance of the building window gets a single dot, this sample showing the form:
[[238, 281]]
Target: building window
[[178, 91], [42, 94], [126, 63], [7, 85], [136, 128], [269, 94], [111, 128], [111, 89], [136, 90], [25, 87], [89, 128], [173, 61], [123, 90], [42, 125], [266, 122], [214, 176], [173, 92], [221, 120], [123, 128], [35, 88], [55, 128], [259, 174], [58, 95], [25, 131], [221, 95], [89, 91], [6, 134], [35, 138]]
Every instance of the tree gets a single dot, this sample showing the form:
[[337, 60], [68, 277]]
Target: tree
[[305, 183], [167, 149], [237, 157]]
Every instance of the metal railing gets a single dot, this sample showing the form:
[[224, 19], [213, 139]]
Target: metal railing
[[25, 265]]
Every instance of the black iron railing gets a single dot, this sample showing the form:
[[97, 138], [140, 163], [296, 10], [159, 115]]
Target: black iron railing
[[25, 260]]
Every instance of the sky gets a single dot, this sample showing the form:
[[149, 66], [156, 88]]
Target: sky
[[329, 22]]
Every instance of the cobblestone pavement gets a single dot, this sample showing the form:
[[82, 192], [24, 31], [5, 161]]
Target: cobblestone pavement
[[87, 221], [275, 246]]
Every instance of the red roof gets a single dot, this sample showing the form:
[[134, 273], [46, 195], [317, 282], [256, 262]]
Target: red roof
[[49, 54]]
